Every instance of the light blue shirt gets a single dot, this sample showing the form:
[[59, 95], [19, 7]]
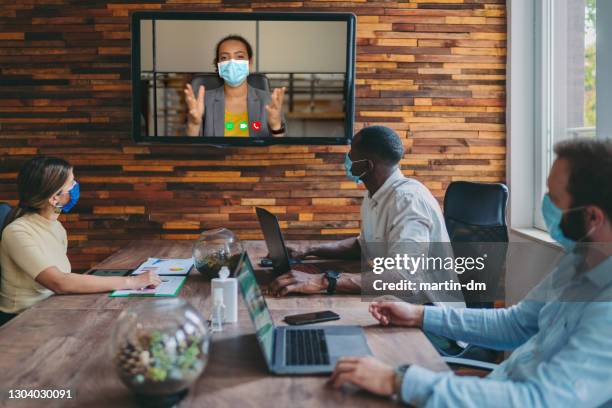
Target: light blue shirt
[[563, 355]]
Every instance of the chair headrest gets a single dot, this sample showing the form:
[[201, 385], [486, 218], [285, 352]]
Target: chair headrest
[[476, 203]]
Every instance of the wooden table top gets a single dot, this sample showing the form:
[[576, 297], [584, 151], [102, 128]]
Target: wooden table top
[[63, 343]]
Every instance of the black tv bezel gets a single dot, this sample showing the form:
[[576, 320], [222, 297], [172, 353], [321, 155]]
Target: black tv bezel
[[349, 18]]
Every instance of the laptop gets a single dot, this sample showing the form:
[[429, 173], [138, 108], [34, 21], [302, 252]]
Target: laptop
[[293, 350], [278, 253]]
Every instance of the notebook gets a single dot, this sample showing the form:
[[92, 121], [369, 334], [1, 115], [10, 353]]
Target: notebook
[[169, 286], [166, 266]]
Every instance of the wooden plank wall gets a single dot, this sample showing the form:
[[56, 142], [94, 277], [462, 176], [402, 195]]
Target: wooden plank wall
[[434, 70]]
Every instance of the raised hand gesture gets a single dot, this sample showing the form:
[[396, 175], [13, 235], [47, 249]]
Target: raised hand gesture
[[195, 108], [275, 109]]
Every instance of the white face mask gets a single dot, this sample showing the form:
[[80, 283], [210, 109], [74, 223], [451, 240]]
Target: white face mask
[[233, 72]]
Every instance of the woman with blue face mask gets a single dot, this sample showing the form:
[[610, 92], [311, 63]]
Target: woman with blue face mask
[[34, 244], [235, 109]]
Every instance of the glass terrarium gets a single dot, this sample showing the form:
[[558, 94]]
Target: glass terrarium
[[215, 249], [159, 349]]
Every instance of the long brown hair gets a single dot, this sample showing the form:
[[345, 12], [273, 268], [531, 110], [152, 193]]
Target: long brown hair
[[39, 179]]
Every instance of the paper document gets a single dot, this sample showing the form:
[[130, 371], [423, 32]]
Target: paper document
[[170, 286], [165, 266]]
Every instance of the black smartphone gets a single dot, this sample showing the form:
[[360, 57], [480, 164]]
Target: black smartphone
[[309, 318], [110, 272]]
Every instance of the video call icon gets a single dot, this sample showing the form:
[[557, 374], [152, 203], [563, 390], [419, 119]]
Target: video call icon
[[256, 126]]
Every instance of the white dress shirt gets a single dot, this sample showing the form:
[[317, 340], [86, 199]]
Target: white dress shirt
[[402, 210], [398, 217]]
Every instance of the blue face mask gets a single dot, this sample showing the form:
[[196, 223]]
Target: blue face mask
[[75, 193], [348, 165], [552, 218], [233, 72]]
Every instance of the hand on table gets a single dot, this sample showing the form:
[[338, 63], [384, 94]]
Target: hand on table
[[298, 254], [148, 280], [367, 373], [397, 313], [297, 281]]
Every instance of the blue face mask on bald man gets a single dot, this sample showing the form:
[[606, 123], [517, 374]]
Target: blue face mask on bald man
[[348, 166]]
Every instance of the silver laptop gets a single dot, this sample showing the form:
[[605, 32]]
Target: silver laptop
[[292, 350]]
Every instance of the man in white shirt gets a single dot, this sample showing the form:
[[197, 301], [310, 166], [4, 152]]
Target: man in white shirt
[[397, 211]]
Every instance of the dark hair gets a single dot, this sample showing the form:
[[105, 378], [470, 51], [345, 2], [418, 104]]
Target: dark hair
[[38, 180], [234, 37], [382, 143], [590, 179]]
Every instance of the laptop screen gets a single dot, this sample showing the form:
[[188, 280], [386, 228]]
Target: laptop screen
[[274, 240], [256, 305]]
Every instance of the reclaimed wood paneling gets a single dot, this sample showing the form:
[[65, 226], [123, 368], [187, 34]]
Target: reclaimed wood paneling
[[434, 70]]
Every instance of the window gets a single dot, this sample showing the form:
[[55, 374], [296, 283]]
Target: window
[[565, 81]]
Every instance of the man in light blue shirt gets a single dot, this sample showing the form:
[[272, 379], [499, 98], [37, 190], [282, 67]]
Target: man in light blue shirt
[[561, 333]]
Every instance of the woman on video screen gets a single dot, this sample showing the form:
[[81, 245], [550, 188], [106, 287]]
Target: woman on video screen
[[235, 109]]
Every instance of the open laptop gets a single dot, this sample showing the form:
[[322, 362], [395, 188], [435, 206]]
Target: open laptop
[[292, 350], [277, 250]]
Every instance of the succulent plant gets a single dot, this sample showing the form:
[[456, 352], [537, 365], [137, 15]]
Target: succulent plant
[[152, 357]]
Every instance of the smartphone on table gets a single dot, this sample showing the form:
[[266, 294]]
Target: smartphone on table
[[310, 318]]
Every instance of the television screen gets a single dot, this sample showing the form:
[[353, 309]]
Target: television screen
[[243, 78]]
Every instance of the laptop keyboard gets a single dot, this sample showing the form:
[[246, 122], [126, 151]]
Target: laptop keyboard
[[306, 347]]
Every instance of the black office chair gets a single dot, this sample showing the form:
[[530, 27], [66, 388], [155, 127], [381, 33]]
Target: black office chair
[[475, 217], [4, 210], [476, 212], [212, 81]]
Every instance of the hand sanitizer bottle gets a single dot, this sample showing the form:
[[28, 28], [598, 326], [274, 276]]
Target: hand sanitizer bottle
[[218, 312], [230, 293]]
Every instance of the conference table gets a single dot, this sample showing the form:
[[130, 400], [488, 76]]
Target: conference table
[[63, 343]]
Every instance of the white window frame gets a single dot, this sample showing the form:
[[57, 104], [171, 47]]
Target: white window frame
[[604, 68], [530, 97], [544, 94]]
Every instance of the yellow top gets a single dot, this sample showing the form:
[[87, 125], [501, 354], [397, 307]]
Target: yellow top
[[236, 124], [29, 245]]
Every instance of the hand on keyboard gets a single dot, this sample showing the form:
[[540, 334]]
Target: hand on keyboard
[[298, 282], [367, 373]]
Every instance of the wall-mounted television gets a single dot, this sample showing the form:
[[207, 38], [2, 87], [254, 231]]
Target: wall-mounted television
[[227, 78]]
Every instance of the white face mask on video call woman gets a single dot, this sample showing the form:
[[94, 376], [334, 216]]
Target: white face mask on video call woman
[[233, 72]]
